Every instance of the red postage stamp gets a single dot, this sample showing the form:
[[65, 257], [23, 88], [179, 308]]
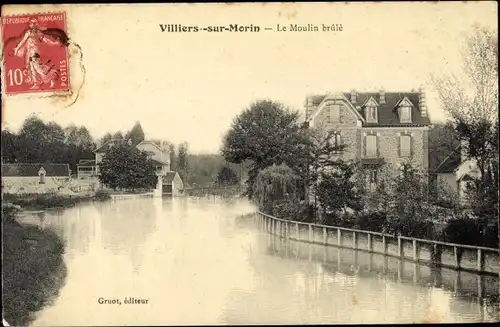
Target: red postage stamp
[[35, 57]]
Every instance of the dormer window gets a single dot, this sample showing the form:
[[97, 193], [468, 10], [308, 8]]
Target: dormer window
[[371, 110], [371, 114], [406, 114], [405, 107]]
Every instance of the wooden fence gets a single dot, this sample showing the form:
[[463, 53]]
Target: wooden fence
[[450, 255]]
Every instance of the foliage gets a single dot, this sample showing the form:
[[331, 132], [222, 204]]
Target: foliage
[[102, 195], [106, 138], [273, 184], [38, 201], [474, 115], [337, 189], [470, 232], [443, 141], [173, 158], [118, 135], [264, 134], [136, 134], [39, 142], [226, 176], [182, 160], [33, 271], [372, 221], [10, 210], [125, 167]]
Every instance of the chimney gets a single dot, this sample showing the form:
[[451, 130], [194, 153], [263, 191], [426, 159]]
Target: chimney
[[382, 97], [423, 102], [353, 96]]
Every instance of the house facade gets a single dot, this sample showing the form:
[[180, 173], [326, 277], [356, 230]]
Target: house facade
[[35, 177], [376, 128]]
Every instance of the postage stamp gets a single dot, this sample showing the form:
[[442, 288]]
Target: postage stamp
[[35, 57]]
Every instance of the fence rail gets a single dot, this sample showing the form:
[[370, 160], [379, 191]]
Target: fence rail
[[457, 256]]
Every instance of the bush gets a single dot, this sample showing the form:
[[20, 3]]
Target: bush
[[102, 195], [9, 211], [372, 221], [340, 220], [410, 227], [470, 232]]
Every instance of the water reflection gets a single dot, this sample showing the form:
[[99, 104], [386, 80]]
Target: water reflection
[[197, 263]]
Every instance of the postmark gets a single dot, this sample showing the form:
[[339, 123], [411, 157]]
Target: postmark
[[35, 53]]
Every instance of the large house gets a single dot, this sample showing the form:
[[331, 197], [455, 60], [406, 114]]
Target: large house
[[35, 177], [159, 154], [376, 128]]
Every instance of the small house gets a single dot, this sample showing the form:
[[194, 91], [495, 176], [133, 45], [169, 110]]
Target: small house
[[35, 177], [172, 184]]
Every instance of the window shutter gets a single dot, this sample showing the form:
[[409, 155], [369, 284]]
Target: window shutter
[[371, 145], [335, 113], [399, 145]]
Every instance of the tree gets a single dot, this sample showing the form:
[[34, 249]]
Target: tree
[[226, 176], [443, 141], [117, 136], [275, 188], [173, 158], [8, 147], [125, 167], [136, 134], [264, 134], [410, 205], [321, 144], [337, 189], [182, 160], [471, 101], [106, 138]]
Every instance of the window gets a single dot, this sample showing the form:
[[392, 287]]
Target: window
[[371, 113], [337, 141], [371, 145], [335, 113], [405, 114], [405, 145]]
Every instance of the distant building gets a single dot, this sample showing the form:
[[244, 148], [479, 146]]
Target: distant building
[[159, 154], [376, 128], [172, 184], [456, 172], [35, 177]]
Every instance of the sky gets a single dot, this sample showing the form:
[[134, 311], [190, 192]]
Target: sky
[[190, 86]]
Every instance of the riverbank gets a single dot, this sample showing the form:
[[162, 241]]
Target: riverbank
[[50, 201], [33, 268]]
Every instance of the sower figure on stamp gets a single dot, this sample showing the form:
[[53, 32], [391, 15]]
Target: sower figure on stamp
[[28, 47]]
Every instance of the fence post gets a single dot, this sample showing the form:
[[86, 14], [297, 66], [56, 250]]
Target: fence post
[[480, 265], [297, 230], [354, 240], [370, 245], [310, 233], [325, 236], [400, 250], [286, 230], [384, 244], [339, 235], [457, 261], [415, 253]]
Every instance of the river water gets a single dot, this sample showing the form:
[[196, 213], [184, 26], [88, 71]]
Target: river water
[[194, 262]]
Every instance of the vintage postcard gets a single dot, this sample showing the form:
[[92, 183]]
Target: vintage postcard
[[250, 163]]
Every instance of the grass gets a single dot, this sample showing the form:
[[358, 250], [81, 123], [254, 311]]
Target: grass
[[33, 269], [46, 201]]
